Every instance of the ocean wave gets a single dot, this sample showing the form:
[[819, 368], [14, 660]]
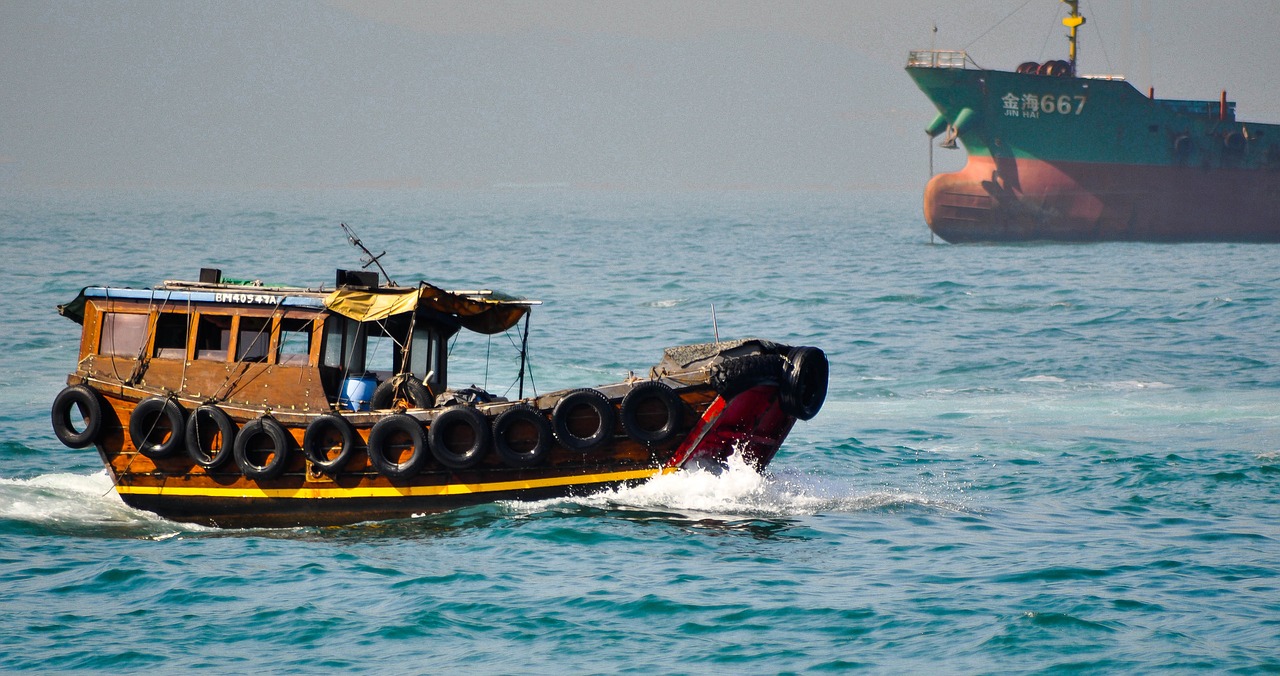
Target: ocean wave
[[85, 505]]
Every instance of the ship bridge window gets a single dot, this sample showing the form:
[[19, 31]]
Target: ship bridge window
[[213, 336], [123, 334], [171, 335], [253, 339], [295, 342]]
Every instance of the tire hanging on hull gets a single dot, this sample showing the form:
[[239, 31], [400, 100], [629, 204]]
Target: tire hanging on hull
[[157, 427], [317, 442], [583, 420], [522, 437], [248, 448], [388, 436], [88, 404], [459, 437], [206, 425], [652, 413]]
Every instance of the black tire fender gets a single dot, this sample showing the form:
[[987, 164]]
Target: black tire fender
[[246, 447], [407, 388], [647, 404], [444, 441], [317, 441], [806, 386], [89, 404], [577, 411], [201, 425], [384, 432], [734, 376], [150, 420], [506, 436]]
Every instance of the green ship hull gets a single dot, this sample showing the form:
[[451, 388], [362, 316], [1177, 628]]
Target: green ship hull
[[1055, 156]]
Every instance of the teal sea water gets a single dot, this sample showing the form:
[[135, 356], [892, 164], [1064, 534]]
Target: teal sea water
[[1033, 458]]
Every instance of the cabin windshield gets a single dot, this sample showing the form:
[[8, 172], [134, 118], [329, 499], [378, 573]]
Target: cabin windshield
[[381, 349]]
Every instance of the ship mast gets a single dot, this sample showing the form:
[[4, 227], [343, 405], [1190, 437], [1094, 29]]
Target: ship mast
[[1073, 21]]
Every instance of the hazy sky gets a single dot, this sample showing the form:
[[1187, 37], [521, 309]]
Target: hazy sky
[[635, 95]]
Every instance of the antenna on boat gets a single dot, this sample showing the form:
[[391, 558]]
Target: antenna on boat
[[1073, 21], [715, 330], [369, 257]]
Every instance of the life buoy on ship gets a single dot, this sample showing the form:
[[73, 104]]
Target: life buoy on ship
[[324, 434], [459, 437], [583, 420], [88, 404], [210, 436], [262, 448], [1183, 145], [405, 388], [1234, 141], [522, 436], [652, 413], [806, 386], [1057, 68], [157, 427], [390, 439]]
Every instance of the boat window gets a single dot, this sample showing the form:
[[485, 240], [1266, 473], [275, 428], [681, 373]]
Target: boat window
[[332, 355], [343, 348], [295, 342], [254, 338], [123, 335], [213, 335], [171, 335], [421, 360], [379, 356]]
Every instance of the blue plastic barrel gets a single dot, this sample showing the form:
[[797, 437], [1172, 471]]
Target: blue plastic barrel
[[357, 392]]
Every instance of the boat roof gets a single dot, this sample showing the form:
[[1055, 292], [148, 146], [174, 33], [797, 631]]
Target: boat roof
[[483, 311]]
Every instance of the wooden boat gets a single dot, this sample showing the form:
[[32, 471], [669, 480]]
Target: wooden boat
[[239, 405]]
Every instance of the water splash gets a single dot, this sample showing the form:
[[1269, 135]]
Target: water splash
[[738, 491], [77, 505]]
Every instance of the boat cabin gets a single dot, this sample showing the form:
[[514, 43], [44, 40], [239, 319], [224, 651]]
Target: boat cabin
[[282, 348]]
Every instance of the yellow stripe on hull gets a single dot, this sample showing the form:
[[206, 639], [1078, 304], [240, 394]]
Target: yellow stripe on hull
[[392, 491]]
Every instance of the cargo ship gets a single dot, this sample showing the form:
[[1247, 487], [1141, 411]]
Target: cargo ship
[[238, 404], [1056, 155]]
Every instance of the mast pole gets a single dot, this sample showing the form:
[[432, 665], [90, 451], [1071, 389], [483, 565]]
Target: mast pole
[[1073, 21]]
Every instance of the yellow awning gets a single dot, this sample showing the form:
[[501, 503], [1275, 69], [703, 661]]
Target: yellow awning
[[482, 315]]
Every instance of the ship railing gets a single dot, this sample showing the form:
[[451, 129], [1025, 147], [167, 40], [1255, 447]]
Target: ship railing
[[938, 58]]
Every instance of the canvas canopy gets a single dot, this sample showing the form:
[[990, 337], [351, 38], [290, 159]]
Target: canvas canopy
[[477, 313]]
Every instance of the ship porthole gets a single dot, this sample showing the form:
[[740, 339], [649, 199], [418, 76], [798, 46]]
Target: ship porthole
[[157, 427], [583, 420], [261, 448], [459, 437], [522, 436], [325, 434], [652, 413], [397, 446], [82, 401], [210, 437]]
